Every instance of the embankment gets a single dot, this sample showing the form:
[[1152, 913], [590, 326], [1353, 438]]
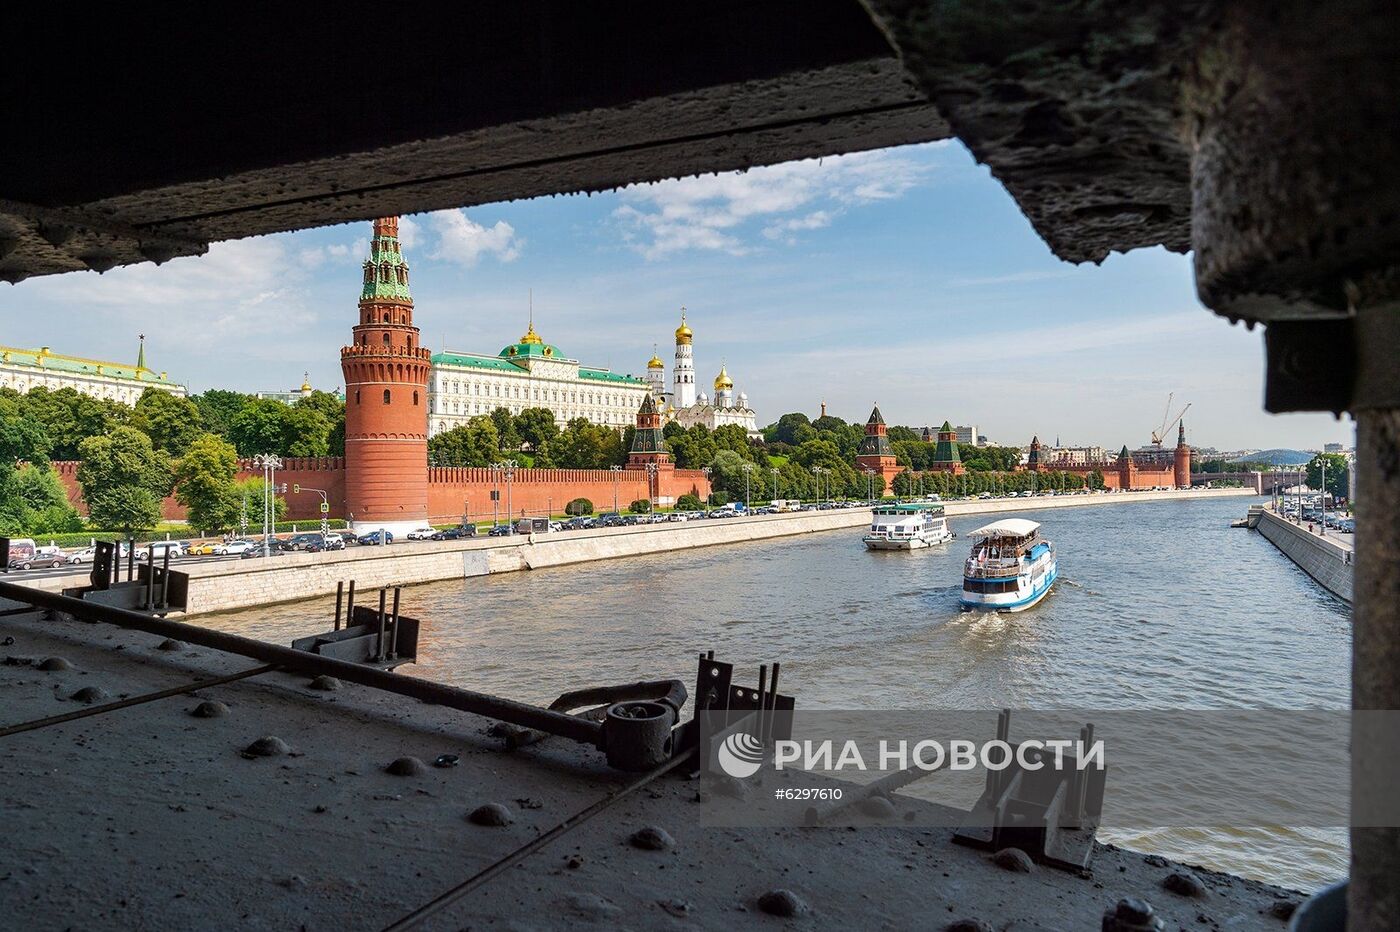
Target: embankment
[[1326, 560], [226, 585]]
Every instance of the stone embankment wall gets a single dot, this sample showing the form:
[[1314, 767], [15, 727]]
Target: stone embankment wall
[[1325, 560]]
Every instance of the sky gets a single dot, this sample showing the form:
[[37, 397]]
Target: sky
[[903, 276]]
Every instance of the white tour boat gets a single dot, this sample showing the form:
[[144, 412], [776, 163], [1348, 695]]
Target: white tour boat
[[1010, 569], [908, 526]]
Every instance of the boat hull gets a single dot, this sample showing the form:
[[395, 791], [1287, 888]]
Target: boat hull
[[909, 543], [1011, 601]]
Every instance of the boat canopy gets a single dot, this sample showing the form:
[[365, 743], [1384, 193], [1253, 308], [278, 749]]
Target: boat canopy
[[1008, 527]]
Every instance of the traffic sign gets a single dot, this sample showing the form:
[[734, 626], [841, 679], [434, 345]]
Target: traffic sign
[[325, 508]]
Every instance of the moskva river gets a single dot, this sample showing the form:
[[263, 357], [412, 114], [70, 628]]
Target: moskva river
[[1159, 606]]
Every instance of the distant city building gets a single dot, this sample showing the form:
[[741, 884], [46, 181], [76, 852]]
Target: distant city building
[[294, 395], [26, 369], [688, 409], [968, 435], [1333, 448], [1073, 456], [529, 374]]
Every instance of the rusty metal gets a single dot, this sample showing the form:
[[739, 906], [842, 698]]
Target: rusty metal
[[358, 640], [494, 707], [133, 700], [596, 700], [1051, 813]]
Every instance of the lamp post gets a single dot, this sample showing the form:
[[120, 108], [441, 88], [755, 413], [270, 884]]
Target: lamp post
[[653, 493], [775, 482], [870, 483], [747, 468], [270, 463], [817, 472], [508, 468], [617, 472], [709, 492]]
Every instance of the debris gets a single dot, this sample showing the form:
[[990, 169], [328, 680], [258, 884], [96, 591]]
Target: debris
[[1155, 860], [209, 709], [1183, 883], [652, 838], [1282, 909], [678, 908], [968, 925], [51, 664], [782, 903], [1014, 860], [490, 814], [574, 862], [319, 809], [1131, 914], [89, 694], [527, 802], [267, 746], [324, 682], [407, 767]]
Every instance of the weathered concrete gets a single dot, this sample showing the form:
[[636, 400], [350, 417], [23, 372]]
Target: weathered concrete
[[151, 818], [1329, 560]]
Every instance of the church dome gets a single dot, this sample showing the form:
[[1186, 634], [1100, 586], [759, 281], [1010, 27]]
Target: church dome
[[683, 332], [656, 362], [722, 381]]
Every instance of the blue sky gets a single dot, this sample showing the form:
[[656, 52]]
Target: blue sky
[[904, 276]]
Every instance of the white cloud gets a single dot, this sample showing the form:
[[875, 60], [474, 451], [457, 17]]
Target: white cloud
[[464, 241], [409, 232], [709, 212]]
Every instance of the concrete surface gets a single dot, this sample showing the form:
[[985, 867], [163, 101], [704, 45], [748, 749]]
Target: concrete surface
[[1329, 560], [149, 818]]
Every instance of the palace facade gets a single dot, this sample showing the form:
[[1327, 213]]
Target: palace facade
[[26, 369]]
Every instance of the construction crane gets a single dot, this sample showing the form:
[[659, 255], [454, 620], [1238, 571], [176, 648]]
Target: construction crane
[[1160, 433]]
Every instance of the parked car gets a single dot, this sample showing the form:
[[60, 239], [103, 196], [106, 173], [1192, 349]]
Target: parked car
[[456, 533], [159, 547], [253, 553], [302, 541], [233, 548], [500, 530], [377, 537], [202, 548], [422, 533], [610, 519]]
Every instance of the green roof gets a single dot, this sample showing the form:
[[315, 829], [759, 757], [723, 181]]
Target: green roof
[[54, 362], [603, 375], [475, 361], [542, 350]]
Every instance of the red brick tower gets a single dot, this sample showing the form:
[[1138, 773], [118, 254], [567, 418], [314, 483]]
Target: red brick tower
[[649, 450], [1127, 469], [1182, 460], [386, 398], [1033, 458], [875, 453]]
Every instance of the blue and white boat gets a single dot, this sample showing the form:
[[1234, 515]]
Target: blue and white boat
[[907, 526], [1010, 569]]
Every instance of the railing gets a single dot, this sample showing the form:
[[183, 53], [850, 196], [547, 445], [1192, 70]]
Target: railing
[[991, 567]]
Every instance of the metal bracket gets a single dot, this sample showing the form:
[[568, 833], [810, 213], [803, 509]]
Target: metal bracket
[[1333, 364]]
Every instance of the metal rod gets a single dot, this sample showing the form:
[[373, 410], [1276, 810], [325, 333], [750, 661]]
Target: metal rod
[[339, 597], [465, 700], [150, 576], [130, 558], [773, 702], [379, 636], [350, 606], [132, 700], [394, 632], [762, 697], [165, 580], [413, 919]]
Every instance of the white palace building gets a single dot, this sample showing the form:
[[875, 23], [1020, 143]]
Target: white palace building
[[26, 369], [536, 374]]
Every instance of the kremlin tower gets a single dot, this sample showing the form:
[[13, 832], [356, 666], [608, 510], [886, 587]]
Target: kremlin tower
[[1181, 460], [874, 452], [684, 374], [386, 398]]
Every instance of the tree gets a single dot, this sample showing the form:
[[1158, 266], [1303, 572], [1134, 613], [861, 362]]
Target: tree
[[205, 483], [68, 418], [124, 478], [536, 426], [218, 409], [583, 445], [33, 501], [260, 427], [306, 432], [1337, 474], [505, 429], [783, 430], [689, 502], [1003, 459], [170, 421], [248, 499], [733, 437], [640, 507], [474, 443], [694, 448], [579, 506]]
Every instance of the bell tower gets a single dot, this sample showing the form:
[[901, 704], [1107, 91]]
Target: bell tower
[[386, 398]]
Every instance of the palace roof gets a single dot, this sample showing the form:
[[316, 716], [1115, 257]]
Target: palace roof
[[41, 358]]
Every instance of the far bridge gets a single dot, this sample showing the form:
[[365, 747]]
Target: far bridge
[[1265, 483]]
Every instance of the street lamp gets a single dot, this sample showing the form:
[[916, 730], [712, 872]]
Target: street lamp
[[775, 482], [747, 468], [270, 463], [870, 483], [817, 472], [709, 491], [653, 492], [617, 472], [508, 468]]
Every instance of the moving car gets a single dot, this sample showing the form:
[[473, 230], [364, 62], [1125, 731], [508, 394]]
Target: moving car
[[500, 530], [302, 541], [233, 547], [422, 533], [203, 548], [30, 561], [456, 533], [85, 555]]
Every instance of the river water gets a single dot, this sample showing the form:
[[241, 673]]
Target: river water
[[1160, 605]]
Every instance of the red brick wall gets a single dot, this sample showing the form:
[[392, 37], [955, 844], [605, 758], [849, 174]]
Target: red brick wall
[[533, 490]]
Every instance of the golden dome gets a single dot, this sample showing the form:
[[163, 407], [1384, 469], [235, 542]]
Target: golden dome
[[531, 336], [683, 333], [722, 381], [306, 383], [656, 363]]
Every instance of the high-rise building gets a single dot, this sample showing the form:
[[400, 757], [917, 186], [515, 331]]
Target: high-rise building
[[386, 403], [967, 434]]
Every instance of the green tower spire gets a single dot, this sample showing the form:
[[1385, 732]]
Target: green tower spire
[[141, 353], [386, 272]]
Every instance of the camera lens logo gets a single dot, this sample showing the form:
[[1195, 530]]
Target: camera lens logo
[[741, 755]]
